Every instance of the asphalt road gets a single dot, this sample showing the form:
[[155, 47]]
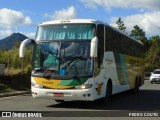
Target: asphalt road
[[147, 100]]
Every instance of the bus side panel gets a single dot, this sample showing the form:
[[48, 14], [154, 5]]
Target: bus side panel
[[116, 71], [99, 85], [123, 70], [135, 70], [129, 69]]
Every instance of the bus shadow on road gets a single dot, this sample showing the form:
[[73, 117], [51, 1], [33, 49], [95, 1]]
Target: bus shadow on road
[[145, 100]]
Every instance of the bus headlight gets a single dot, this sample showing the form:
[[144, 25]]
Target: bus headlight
[[85, 86], [36, 85]]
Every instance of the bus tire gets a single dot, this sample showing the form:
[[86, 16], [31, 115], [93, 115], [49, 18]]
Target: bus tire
[[136, 88], [108, 93], [59, 101]]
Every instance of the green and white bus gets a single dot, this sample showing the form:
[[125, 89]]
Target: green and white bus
[[83, 59]]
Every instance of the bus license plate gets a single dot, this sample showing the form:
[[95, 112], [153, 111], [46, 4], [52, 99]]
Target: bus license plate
[[58, 94]]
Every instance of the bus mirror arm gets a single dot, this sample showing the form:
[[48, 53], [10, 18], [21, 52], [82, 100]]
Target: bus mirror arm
[[94, 47], [23, 46]]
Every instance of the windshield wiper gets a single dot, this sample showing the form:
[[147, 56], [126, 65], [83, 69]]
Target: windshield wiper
[[46, 73], [36, 70], [47, 76]]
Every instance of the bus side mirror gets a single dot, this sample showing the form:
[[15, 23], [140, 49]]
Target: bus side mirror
[[23, 46], [94, 47]]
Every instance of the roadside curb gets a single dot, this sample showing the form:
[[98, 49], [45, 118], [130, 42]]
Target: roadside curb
[[7, 94]]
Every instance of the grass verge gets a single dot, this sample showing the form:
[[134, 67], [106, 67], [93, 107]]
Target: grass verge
[[5, 88], [15, 80]]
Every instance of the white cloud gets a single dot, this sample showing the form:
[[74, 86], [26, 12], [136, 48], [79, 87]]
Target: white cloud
[[108, 4], [68, 13], [141, 10], [91, 3], [11, 18], [4, 33], [30, 34], [149, 22]]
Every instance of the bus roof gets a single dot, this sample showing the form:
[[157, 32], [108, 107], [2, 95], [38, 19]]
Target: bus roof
[[67, 21], [124, 33]]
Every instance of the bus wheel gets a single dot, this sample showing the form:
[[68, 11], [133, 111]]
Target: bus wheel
[[107, 94], [59, 101], [136, 88]]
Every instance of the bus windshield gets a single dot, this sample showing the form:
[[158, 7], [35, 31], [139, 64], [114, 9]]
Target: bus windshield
[[63, 58], [65, 32]]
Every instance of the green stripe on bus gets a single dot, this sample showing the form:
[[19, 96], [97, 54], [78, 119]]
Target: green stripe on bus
[[72, 82], [122, 71], [124, 68]]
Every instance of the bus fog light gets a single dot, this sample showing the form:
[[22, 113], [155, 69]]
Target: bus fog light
[[34, 93]]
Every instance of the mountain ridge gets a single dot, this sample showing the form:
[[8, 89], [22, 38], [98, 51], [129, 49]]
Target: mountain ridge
[[8, 42]]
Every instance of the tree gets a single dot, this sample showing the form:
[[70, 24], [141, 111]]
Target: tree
[[16, 45], [120, 24], [154, 38], [11, 58], [138, 33], [151, 40], [153, 56]]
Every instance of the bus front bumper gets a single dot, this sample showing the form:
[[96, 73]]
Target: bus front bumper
[[63, 94]]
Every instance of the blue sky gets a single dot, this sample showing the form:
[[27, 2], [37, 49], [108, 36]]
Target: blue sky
[[24, 15]]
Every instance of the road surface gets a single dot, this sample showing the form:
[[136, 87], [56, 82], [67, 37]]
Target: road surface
[[147, 100]]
